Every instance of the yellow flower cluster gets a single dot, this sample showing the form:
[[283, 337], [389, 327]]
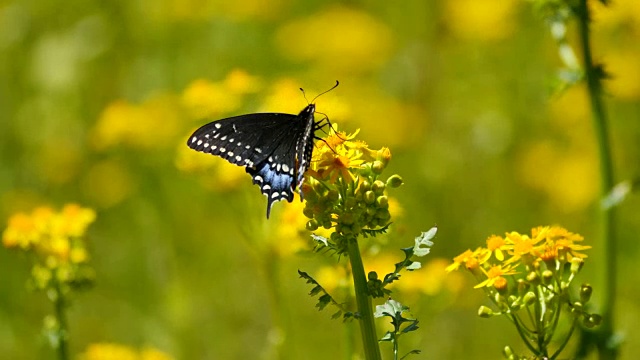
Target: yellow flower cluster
[[552, 246], [50, 233], [109, 351], [343, 187], [55, 238]]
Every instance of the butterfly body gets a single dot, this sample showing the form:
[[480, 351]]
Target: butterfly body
[[274, 148]]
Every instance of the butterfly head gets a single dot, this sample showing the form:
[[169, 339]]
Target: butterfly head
[[308, 111]]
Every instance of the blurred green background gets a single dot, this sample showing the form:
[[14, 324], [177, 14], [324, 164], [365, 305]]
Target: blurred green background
[[97, 99]]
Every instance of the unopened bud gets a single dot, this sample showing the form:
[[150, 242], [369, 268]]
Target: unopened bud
[[395, 181], [485, 312], [585, 293]]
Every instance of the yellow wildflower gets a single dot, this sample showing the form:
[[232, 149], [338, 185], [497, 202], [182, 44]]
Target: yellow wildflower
[[471, 259], [495, 274], [21, 231], [496, 245]]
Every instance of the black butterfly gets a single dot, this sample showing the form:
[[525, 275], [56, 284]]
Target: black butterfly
[[274, 148]]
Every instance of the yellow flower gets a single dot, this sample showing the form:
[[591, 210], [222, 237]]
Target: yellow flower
[[495, 275], [471, 259], [49, 234], [340, 156], [523, 247], [77, 219], [496, 245], [562, 244], [21, 231]]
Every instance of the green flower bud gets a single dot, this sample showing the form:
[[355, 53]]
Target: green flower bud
[[382, 202], [372, 275], [595, 319], [377, 167], [365, 186], [533, 278], [530, 298], [585, 293], [523, 286], [378, 187], [577, 306], [485, 312], [547, 276], [312, 225], [395, 181], [508, 353], [308, 212], [369, 197], [333, 195]]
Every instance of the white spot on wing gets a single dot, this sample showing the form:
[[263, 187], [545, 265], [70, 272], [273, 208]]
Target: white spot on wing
[[285, 167], [199, 142], [217, 126], [238, 158], [193, 139], [258, 150]]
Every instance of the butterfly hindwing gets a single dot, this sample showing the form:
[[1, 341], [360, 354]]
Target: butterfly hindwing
[[268, 145]]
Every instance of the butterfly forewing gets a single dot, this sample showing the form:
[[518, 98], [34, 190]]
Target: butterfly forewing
[[268, 145]]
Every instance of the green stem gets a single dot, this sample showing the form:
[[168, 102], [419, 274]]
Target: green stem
[[365, 310], [604, 334], [61, 320]]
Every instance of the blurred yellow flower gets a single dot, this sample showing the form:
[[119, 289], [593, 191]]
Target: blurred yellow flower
[[617, 14], [153, 124], [333, 277], [214, 173], [563, 189], [203, 99], [339, 38], [624, 82], [284, 96], [481, 19], [20, 232], [110, 351], [108, 183], [291, 236], [51, 235]]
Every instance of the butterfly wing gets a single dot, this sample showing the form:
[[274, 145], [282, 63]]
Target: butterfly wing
[[267, 144]]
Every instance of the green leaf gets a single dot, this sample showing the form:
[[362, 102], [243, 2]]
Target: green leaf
[[374, 232]]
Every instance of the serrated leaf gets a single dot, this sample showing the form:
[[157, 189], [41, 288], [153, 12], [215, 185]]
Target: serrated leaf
[[374, 232], [423, 242], [323, 301], [336, 315], [414, 266]]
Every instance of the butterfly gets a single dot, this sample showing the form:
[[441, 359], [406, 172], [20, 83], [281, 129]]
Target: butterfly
[[274, 148]]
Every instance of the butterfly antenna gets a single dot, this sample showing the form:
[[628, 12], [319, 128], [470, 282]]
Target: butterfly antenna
[[324, 92]]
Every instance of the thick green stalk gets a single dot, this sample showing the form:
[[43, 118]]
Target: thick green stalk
[[365, 310], [604, 334]]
